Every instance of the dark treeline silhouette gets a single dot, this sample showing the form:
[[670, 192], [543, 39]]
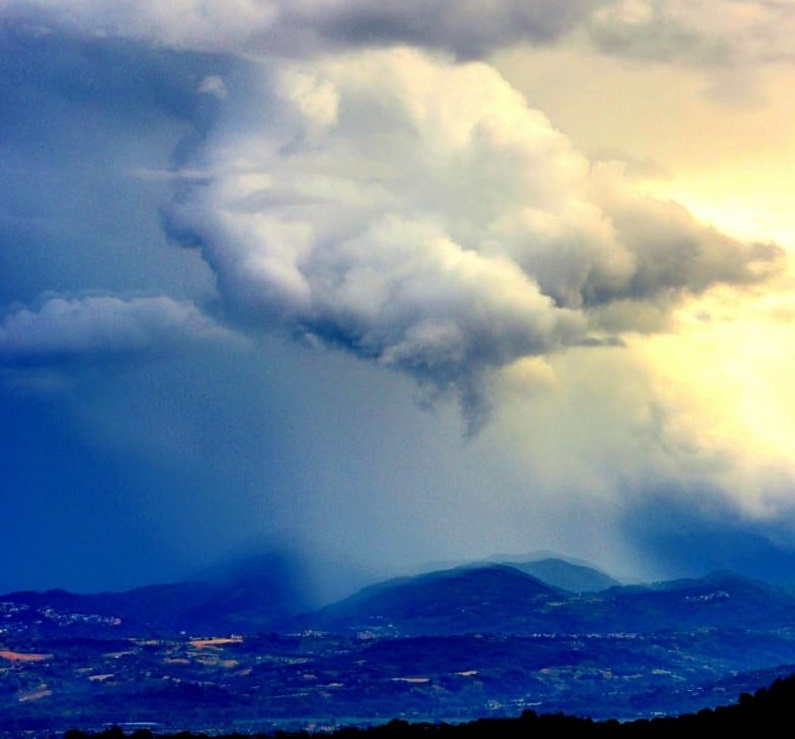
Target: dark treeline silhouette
[[767, 712]]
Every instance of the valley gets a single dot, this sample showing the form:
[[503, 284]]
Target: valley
[[454, 645]]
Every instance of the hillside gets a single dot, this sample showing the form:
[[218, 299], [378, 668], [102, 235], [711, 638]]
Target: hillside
[[479, 598], [565, 575], [257, 594], [503, 599], [450, 645]]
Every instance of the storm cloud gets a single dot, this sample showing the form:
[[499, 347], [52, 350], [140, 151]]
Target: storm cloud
[[422, 215], [466, 29], [353, 192], [407, 208], [713, 33]]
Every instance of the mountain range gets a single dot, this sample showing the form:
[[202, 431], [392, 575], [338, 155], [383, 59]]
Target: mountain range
[[246, 650], [484, 597], [505, 599]]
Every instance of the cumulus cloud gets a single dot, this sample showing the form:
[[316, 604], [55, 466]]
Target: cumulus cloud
[[213, 85], [422, 215], [411, 210], [64, 329]]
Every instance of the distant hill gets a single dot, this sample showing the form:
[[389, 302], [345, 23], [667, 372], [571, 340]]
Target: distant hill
[[719, 599], [562, 574], [255, 595], [487, 598], [459, 600], [266, 595]]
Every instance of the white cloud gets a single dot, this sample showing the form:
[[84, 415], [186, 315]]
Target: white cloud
[[213, 84], [64, 329], [420, 214]]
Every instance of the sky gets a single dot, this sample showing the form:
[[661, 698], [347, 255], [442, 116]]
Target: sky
[[391, 284]]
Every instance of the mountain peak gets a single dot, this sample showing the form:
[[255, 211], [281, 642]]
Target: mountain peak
[[560, 573]]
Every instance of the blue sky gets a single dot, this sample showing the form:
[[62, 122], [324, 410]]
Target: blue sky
[[394, 284]]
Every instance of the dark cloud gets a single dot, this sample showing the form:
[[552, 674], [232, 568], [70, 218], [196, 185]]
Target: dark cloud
[[709, 34], [672, 252], [658, 38], [468, 29], [690, 531], [105, 72], [142, 474], [86, 273], [80, 119], [465, 28]]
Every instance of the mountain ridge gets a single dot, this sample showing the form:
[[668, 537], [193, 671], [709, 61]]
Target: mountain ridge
[[481, 597], [484, 639]]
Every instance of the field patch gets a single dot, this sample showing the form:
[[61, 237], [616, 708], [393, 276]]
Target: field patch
[[24, 657], [214, 643]]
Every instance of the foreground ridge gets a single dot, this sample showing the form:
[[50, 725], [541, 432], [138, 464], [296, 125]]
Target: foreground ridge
[[767, 709]]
